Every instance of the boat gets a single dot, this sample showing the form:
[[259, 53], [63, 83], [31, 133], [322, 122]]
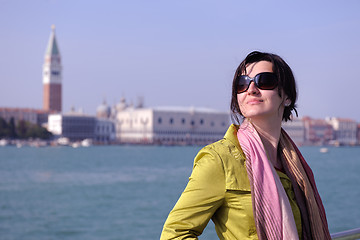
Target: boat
[[86, 142], [324, 150], [4, 142], [63, 141], [75, 144]]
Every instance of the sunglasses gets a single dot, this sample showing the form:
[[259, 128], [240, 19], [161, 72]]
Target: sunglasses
[[263, 81]]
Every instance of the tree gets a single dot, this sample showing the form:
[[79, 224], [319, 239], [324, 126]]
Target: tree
[[22, 129], [12, 129], [4, 128], [36, 131]]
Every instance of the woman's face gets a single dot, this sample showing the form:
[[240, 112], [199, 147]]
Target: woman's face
[[256, 103]]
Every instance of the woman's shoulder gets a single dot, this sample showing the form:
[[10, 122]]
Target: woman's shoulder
[[223, 148], [232, 160]]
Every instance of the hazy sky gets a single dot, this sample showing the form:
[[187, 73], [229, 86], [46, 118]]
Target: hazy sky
[[179, 53]]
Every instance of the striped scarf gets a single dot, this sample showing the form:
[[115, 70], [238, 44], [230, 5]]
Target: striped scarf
[[271, 207]]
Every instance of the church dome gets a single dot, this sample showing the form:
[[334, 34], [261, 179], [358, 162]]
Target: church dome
[[103, 111], [122, 105]]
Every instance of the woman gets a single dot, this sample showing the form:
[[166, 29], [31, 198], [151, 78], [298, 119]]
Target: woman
[[254, 183]]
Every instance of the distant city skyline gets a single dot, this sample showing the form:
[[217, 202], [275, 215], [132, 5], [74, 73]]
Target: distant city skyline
[[179, 53]]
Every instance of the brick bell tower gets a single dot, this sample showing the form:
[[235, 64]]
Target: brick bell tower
[[52, 76]]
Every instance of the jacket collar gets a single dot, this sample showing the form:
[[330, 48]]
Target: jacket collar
[[231, 135]]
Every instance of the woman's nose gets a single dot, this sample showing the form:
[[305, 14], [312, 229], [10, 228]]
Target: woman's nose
[[252, 88]]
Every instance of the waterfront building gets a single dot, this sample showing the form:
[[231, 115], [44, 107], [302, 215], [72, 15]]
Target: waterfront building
[[170, 125], [317, 131], [296, 130], [104, 131], [52, 76], [34, 116], [74, 126], [345, 130], [77, 126]]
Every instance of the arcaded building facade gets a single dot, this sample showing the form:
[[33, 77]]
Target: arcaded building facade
[[170, 126]]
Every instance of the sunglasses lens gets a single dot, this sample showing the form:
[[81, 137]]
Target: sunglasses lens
[[267, 81], [242, 84]]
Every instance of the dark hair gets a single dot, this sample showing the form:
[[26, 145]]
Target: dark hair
[[283, 73]]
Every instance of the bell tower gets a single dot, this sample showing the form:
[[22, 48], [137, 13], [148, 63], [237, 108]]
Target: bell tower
[[52, 76]]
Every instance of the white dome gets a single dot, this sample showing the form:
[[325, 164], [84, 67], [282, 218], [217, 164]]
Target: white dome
[[103, 110]]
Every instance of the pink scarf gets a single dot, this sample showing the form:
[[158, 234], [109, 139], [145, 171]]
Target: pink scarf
[[272, 211]]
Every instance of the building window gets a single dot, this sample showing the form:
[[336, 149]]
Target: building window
[[201, 121], [183, 121], [192, 123], [159, 120], [171, 120], [212, 124]]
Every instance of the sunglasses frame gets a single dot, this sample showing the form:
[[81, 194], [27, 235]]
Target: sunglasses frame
[[256, 79]]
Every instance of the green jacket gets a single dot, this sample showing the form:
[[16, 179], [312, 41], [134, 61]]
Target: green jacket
[[219, 189]]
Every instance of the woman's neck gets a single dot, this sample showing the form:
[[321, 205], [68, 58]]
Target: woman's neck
[[269, 132]]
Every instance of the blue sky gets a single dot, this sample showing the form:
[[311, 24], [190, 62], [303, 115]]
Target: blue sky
[[179, 53]]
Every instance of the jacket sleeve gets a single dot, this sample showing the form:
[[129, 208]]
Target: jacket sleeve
[[202, 196]]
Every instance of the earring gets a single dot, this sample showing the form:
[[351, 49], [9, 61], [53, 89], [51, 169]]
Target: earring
[[287, 103]]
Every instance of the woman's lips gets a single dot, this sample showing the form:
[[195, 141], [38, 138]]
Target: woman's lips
[[254, 101]]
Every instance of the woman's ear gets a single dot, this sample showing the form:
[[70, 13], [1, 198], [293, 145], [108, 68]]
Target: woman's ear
[[287, 102]]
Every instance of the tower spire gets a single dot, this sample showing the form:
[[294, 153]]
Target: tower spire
[[52, 47]]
